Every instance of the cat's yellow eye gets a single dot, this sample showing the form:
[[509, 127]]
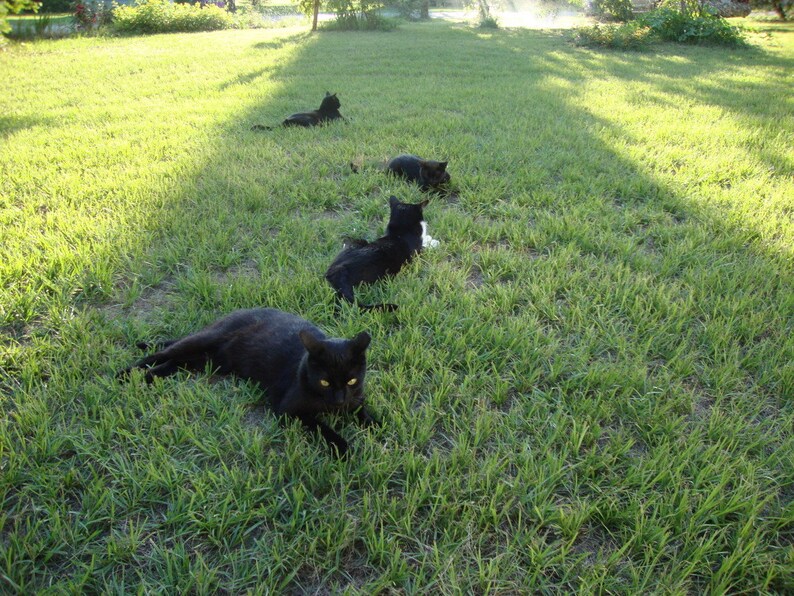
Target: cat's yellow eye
[[324, 383], [352, 381]]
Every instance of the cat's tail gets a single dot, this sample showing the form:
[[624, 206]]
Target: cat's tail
[[261, 127], [154, 345]]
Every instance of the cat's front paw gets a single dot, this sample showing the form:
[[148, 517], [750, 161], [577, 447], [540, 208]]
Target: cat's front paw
[[429, 242], [339, 448], [366, 419]]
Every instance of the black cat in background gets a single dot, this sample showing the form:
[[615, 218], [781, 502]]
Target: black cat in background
[[365, 262], [328, 110], [302, 372], [427, 173]]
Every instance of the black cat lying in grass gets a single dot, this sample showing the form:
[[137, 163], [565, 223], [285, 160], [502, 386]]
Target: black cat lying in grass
[[329, 110], [427, 173], [302, 372], [365, 262]]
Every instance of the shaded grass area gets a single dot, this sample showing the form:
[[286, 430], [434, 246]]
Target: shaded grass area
[[587, 386]]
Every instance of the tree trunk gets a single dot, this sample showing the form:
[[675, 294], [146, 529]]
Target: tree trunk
[[315, 12], [424, 13]]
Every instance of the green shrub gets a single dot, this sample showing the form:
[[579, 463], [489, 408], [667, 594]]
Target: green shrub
[[369, 22], [13, 7], [160, 16], [56, 6], [783, 8], [629, 36], [488, 23], [612, 10], [662, 24], [354, 15], [673, 25], [410, 10]]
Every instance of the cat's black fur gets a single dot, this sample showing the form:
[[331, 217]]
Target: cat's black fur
[[328, 110], [287, 356], [365, 262], [427, 173]]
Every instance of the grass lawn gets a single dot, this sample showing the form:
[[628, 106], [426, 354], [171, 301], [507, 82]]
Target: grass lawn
[[588, 385]]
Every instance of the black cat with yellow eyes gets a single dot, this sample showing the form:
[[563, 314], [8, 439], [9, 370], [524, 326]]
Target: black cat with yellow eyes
[[302, 372]]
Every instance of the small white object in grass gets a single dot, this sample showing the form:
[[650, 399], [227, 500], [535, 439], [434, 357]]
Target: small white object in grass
[[427, 240]]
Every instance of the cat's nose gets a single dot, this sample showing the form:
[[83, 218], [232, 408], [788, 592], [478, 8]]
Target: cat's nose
[[339, 397]]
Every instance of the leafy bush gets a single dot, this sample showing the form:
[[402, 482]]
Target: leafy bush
[[88, 14], [488, 23], [160, 16], [630, 36], [56, 6], [14, 7], [359, 15], [662, 24], [408, 9], [784, 8], [672, 25], [613, 10]]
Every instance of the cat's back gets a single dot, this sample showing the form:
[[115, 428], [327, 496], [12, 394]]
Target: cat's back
[[261, 343], [301, 119], [404, 164], [264, 325]]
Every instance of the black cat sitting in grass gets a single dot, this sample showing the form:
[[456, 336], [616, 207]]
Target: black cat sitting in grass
[[427, 173], [365, 262], [302, 372], [329, 110]]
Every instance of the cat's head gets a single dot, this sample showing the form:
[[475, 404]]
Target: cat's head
[[405, 217], [335, 369], [330, 103], [433, 173]]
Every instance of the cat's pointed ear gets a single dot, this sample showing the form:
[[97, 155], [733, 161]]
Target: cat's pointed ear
[[361, 341], [311, 341], [424, 203], [328, 94], [442, 165], [393, 201]]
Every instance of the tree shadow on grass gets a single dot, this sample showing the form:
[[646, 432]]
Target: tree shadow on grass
[[11, 124]]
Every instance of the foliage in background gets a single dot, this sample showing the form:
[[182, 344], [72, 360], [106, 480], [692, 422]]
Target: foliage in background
[[411, 10], [704, 28], [489, 22], [687, 7], [627, 36], [783, 8], [354, 15], [161, 16], [662, 24], [483, 7], [56, 6], [612, 10], [31, 28], [89, 14], [14, 7]]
